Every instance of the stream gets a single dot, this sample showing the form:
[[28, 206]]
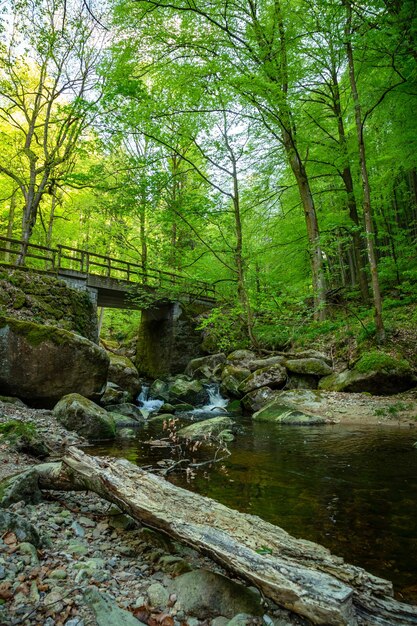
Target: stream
[[352, 489]]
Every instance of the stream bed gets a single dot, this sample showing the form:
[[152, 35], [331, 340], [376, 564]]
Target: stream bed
[[352, 489]]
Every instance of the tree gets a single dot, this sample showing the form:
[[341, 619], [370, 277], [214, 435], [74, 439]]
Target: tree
[[48, 96]]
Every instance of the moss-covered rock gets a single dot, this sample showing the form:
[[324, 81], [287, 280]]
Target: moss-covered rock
[[42, 298], [273, 377], [187, 391], [123, 373], [204, 367], [376, 372], [40, 364], [206, 428], [86, 418], [255, 400], [309, 366], [279, 413], [128, 410], [232, 376]]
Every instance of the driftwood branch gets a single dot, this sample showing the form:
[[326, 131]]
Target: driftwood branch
[[296, 574]]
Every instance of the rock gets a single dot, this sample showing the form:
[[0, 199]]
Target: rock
[[376, 373], [234, 407], [168, 408], [241, 619], [113, 394], [159, 390], [232, 376], [23, 487], [174, 565], [311, 366], [123, 372], [126, 433], [127, 409], [204, 367], [157, 420], [158, 596], [187, 391], [257, 364], [28, 549], [203, 594], [207, 428], [283, 414], [310, 354], [302, 381], [12, 400], [255, 400], [85, 417], [183, 408], [122, 421], [242, 356], [106, 611], [69, 363], [18, 525], [273, 376]]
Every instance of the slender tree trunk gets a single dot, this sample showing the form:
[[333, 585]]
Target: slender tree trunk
[[10, 224], [367, 206]]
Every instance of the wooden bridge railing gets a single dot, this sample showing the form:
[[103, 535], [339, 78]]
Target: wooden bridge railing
[[61, 258]]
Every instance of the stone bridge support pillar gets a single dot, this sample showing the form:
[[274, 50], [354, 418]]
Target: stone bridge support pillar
[[167, 340]]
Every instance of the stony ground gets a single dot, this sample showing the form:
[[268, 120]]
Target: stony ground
[[96, 566]]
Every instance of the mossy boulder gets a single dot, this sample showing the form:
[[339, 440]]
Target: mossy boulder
[[376, 372], [279, 413], [241, 357], [274, 377], [128, 410], [86, 418], [40, 364], [232, 376], [213, 427], [159, 390], [257, 364], [123, 373], [187, 391], [308, 366], [204, 368]]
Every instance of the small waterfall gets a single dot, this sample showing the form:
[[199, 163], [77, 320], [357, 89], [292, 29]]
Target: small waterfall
[[149, 405], [216, 403]]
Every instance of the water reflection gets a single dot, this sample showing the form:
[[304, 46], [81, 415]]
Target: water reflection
[[352, 489]]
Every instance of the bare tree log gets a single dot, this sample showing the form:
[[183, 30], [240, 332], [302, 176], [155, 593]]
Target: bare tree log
[[299, 575]]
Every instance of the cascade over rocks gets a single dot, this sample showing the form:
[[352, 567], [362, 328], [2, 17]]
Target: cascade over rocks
[[85, 417], [40, 364]]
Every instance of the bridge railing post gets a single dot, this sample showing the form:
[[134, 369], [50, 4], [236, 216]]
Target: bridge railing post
[[59, 257]]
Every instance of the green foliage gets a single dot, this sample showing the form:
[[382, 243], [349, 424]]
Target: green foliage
[[376, 360], [223, 330]]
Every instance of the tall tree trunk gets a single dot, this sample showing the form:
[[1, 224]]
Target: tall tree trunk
[[10, 223], [367, 206]]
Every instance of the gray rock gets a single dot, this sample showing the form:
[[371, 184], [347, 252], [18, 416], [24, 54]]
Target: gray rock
[[17, 524], [127, 409], [29, 550], [241, 356], [381, 383], [113, 394], [241, 619], [158, 596], [85, 417], [213, 427], [257, 364], [106, 611], [23, 487], [159, 390], [70, 363], [273, 376], [203, 594], [255, 400]]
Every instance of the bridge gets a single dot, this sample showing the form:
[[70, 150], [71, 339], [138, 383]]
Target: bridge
[[167, 337], [111, 282]]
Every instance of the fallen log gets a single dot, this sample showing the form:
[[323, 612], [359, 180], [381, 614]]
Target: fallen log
[[296, 574]]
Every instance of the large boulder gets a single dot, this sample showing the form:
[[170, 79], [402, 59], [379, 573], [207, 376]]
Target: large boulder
[[274, 377], [241, 357], [308, 366], [188, 391], [279, 413], [257, 364], [40, 364], [205, 367], [376, 372], [84, 417], [232, 376], [204, 594], [206, 428], [123, 373]]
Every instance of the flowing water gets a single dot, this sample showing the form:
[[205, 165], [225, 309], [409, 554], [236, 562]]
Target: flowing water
[[352, 489]]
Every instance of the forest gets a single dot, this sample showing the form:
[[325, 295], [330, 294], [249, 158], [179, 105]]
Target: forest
[[265, 146]]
